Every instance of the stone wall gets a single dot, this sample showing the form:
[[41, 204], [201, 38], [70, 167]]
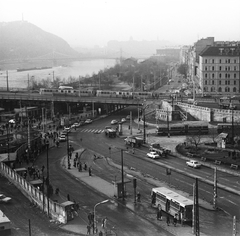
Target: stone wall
[[57, 212]]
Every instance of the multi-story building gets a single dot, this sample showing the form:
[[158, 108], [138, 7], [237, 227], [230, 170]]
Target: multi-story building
[[219, 68]]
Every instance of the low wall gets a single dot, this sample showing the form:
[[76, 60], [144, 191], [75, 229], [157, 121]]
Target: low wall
[[223, 115], [200, 113], [57, 212]]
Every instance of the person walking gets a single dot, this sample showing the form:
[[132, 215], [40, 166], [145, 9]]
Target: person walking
[[88, 229], [159, 212], [168, 219], [138, 197], [175, 220], [90, 171]]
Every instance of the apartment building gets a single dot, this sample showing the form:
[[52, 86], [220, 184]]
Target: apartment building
[[219, 69]]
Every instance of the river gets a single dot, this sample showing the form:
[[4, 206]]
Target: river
[[72, 69]]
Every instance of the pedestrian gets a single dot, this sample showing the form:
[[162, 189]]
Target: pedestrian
[[68, 197], [159, 212], [90, 171], [138, 197], [89, 218], [88, 229], [168, 219], [104, 222], [80, 166], [175, 220], [85, 166]]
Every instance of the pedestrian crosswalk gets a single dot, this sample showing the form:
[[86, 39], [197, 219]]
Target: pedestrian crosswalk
[[91, 130]]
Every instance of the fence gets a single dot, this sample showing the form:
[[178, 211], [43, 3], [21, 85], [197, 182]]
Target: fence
[[56, 211]]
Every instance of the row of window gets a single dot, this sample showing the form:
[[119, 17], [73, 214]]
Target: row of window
[[225, 60], [220, 82], [221, 68], [226, 89], [208, 75]]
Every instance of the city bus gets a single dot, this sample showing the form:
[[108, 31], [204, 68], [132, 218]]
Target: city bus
[[172, 203]]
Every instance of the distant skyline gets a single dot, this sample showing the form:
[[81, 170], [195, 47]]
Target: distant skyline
[[87, 23]]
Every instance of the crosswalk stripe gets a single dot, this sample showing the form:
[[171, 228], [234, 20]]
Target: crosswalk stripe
[[92, 130]]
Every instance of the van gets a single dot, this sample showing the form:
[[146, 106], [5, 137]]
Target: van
[[192, 101]]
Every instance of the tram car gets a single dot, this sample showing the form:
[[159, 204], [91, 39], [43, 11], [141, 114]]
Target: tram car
[[182, 130], [68, 92]]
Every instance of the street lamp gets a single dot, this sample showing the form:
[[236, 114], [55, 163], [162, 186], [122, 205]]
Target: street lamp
[[7, 80], [47, 182], [94, 212]]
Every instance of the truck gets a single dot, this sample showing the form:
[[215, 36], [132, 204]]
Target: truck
[[110, 132], [193, 164], [162, 151], [133, 141]]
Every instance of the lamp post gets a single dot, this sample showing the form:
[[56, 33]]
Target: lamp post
[[7, 127], [94, 212], [47, 181], [68, 153], [6, 80]]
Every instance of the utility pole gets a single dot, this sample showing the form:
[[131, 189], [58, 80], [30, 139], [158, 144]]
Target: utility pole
[[79, 87], [195, 227], [123, 197], [7, 81], [232, 127], [215, 189], [28, 85], [130, 123], [168, 128]]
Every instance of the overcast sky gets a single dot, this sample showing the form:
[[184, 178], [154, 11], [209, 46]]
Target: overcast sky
[[95, 22]]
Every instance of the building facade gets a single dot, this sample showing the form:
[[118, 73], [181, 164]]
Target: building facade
[[219, 69]]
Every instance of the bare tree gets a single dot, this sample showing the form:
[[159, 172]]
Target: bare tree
[[194, 139], [213, 134]]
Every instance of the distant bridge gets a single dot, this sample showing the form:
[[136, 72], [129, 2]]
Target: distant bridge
[[57, 56]]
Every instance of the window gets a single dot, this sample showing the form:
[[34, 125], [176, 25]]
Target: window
[[220, 75], [206, 61], [220, 61], [225, 67], [235, 76], [212, 81], [234, 90], [205, 68], [228, 82], [205, 82], [220, 68], [212, 75], [235, 61], [220, 82], [226, 76], [212, 60], [229, 61], [227, 89], [234, 82], [225, 82], [234, 68], [212, 89], [219, 89], [205, 75], [229, 68], [212, 67]]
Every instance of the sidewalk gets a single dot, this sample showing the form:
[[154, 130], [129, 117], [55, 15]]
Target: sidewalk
[[79, 224]]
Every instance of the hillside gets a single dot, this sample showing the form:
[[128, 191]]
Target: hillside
[[23, 40]]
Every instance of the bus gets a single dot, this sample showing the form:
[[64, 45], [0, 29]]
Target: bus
[[172, 203], [65, 87]]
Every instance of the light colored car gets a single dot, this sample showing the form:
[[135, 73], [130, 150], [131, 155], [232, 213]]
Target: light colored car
[[75, 125], [4, 199], [193, 164], [67, 129], [88, 121], [128, 117], [114, 122], [62, 138], [153, 155], [123, 120]]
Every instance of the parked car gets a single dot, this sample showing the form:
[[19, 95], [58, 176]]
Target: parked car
[[114, 122], [88, 121], [153, 155], [75, 125], [62, 138], [4, 199], [128, 117], [123, 120], [68, 129]]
